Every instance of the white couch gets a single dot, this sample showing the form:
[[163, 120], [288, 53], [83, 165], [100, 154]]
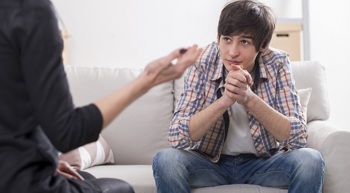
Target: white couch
[[141, 130]]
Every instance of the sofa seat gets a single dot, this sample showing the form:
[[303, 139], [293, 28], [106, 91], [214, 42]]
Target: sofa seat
[[239, 188], [141, 178]]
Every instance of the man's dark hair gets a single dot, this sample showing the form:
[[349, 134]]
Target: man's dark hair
[[249, 17]]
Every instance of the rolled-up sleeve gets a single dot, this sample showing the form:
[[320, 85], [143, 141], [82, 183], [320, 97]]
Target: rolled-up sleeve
[[190, 102], [287, 103]]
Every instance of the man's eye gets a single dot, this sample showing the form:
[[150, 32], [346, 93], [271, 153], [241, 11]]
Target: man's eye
[[245, 42], [226, 39]]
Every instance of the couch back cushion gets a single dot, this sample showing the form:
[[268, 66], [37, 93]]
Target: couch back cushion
[[141, 129], [311, 74], [307, 74]]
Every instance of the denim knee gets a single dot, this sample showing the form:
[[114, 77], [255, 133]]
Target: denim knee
[[170, 171], [310, 163], [166, 160], [308, 171]]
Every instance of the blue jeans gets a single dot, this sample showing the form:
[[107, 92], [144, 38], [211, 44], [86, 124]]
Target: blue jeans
[[301, 171]]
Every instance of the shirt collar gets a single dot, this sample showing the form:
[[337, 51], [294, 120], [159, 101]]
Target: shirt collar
[[262, 63], [219, 76]]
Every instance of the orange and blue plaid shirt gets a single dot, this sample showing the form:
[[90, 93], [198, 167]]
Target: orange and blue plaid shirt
[[273, 82]]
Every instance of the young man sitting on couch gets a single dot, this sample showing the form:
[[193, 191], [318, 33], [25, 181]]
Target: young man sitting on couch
[[239, 120]]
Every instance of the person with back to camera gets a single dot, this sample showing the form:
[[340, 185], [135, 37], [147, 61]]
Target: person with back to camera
[[37, 115], [238, 119]]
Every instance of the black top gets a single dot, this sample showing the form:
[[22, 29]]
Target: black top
[[37, 115]]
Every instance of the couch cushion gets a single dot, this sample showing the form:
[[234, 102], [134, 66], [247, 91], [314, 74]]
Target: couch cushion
[[141, 129], [239, 188], [312, 74], [141, 178], [304, 97]]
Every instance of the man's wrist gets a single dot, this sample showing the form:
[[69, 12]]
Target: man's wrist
[[225, 103], [252, 103]]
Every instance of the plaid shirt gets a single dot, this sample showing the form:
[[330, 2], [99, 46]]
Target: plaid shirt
[[273, 82]]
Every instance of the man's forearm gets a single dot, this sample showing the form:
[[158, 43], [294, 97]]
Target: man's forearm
[[204, 120], [276, 123]]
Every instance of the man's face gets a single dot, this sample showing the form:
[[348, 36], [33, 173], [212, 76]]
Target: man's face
[[238, 50]]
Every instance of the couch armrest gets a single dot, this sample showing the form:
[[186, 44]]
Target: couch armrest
[[334, 144]]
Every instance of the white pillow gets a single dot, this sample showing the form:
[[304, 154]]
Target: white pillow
[[95, 153], [304, 97]]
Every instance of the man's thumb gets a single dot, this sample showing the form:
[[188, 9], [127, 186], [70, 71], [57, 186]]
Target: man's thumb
[[236, 67]]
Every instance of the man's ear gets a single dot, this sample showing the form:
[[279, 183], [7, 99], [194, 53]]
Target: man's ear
[[262, 49], [218, 38], [264, 46]]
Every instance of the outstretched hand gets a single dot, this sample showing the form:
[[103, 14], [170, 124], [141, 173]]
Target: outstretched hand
[[172, 66]]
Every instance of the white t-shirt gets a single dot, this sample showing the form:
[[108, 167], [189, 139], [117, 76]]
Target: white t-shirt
[[239, 139]]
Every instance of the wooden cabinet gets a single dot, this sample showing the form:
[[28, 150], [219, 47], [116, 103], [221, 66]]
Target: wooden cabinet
[[288, 37]]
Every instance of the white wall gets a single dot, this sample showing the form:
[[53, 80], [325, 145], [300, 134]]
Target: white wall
[[132, 33], [330, 44]]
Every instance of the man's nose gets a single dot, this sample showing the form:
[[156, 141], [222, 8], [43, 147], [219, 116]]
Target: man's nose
[[234, 51]]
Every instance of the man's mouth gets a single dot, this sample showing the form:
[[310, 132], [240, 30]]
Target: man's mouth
[[234, 62]]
